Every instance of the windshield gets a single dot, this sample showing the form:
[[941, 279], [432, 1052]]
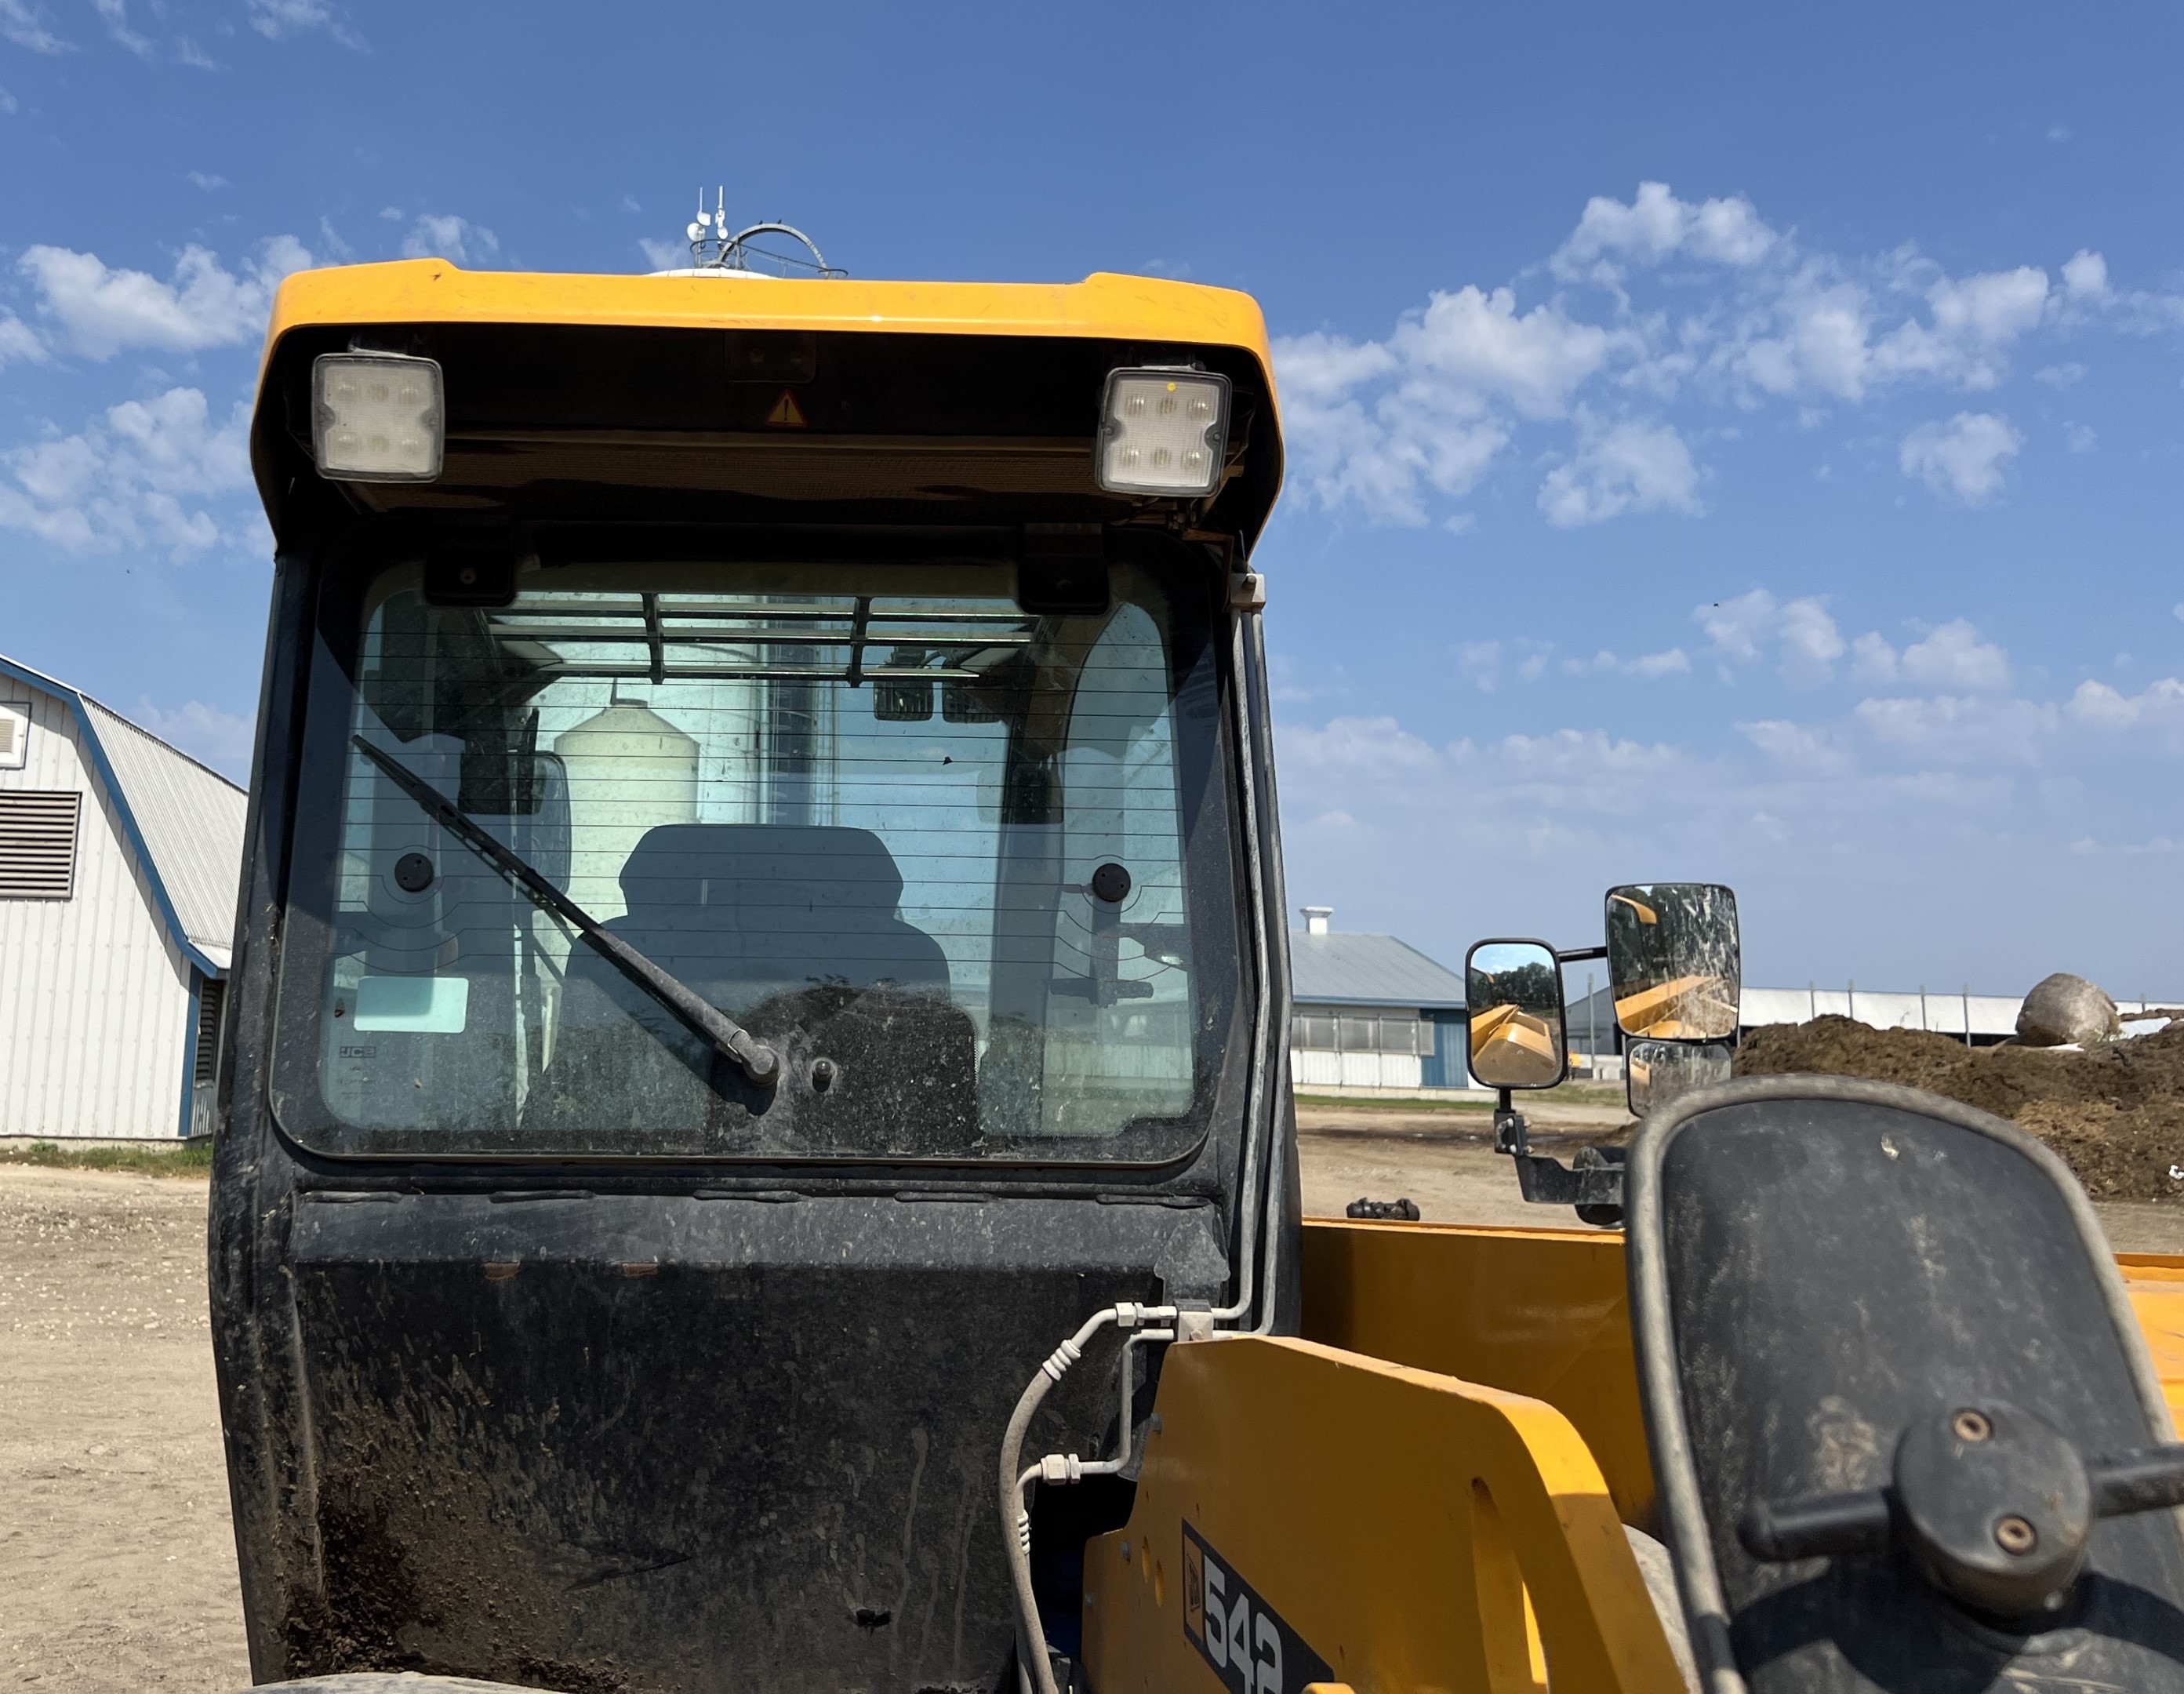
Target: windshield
[[964, 866]]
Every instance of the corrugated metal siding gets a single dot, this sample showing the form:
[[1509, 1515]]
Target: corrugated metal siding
[[94, 997], [192, 821], [1309, 1068]]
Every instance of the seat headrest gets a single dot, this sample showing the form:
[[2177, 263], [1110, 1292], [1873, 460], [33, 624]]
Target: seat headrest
[[812, 866]]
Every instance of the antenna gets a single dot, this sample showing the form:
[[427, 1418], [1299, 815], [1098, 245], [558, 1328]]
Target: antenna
[[713, 248]]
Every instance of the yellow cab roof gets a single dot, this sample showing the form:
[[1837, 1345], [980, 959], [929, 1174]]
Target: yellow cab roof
[[1104, 305], [434, 294]]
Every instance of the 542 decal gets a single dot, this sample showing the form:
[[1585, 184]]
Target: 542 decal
[[1236, 1632]]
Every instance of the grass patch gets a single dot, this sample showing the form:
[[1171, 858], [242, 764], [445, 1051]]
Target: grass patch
[[184, 1159], [1568, 1093], [1369, 1102]]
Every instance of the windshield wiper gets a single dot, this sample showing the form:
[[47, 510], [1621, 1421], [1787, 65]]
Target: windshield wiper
[[759, 1061]]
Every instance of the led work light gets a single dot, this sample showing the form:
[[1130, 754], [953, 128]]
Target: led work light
[[1164, 432], [376, 417]]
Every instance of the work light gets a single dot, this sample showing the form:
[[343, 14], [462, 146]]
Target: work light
[[1164, 432], [376, 417]]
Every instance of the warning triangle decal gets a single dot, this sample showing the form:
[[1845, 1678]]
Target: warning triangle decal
[[786, 414]]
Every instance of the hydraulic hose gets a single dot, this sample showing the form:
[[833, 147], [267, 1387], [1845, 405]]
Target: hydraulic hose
[[1033, 1669]]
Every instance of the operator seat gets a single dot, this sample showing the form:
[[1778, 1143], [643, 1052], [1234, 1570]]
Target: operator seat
[[791, 930], [741, 911]]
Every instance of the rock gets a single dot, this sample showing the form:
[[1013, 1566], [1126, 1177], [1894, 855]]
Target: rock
[[2063, 1011]]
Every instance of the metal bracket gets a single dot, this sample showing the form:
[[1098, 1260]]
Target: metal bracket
[[1593, 1178], [1247, 592]]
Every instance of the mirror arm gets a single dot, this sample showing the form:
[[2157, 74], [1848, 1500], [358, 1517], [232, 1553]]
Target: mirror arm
[[1578, 955]]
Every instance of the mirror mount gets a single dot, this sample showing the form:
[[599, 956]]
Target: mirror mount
[[1510, 1135]]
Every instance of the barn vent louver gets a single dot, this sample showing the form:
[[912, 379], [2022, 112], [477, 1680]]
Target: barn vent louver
[[37, 845], [210, 992]]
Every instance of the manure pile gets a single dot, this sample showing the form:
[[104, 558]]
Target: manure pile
[[2114, 1113]]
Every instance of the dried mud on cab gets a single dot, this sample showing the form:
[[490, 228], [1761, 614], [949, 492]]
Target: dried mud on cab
[[371, 1598], [2115, 1114]]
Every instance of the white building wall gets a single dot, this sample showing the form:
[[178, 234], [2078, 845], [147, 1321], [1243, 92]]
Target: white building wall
[[94, 997], [1314, 1068]]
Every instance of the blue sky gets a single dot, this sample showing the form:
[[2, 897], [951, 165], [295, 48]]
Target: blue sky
[[1728, 444]]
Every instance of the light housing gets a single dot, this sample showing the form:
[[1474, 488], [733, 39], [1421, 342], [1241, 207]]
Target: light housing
[[377, 417], [1164, 432]]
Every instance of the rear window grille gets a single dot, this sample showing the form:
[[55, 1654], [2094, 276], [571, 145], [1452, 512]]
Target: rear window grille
[[210, 994], [37, 845]]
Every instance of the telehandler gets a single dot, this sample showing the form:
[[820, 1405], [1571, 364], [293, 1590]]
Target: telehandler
[[755, 1147]]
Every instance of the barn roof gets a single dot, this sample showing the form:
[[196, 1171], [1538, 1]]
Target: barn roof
[[1339, 969], [183, 819]]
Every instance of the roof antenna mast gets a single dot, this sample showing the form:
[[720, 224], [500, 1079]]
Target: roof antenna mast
[[715, 251]]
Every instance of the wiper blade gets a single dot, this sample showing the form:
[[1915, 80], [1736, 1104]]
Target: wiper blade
[[759, 1061]]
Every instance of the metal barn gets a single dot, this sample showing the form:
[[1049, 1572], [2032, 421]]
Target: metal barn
[[119, 861], [1374, 1014]]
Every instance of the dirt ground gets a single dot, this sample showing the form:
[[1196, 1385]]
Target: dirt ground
[[2114, 1113], [117, 1565], [1444, 1161]]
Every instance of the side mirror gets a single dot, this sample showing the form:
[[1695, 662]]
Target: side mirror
[[1513, 994], [1656, 1072], [1675, 966]]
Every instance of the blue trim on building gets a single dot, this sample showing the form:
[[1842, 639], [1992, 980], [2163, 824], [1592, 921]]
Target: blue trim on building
[[168, 917], [1447, 1065], [190, 1054]]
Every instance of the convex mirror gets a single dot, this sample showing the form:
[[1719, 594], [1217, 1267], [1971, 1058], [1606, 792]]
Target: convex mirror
[[1674, 962], [1656, 1072], [1512, 993]]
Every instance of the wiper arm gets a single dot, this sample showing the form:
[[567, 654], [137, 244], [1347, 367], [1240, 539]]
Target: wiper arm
[[759, 1061]]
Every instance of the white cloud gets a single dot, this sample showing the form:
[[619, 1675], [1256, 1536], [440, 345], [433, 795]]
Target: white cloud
[[2080, 438], [1810, 643], [1480, 662], [1629, 467], [670, 255], [8, 103], [444, 235], [25, 24], [2060, 376], [103, 311], [2100, 707], [141, 475], [1744, 316], [1873, 660], [1954, 656], [221, 738], [1656, 227], [114, 14], [1479, 345], [1805, 748], [1806, 640], [1962, 460], [1363, 746], [1647, 667], [2086, 276], [206, 181], [1962, 729], [19, 342], [1736, 627], [275, 19]]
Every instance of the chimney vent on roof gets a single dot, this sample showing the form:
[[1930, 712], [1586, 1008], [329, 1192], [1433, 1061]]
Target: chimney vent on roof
[[1318, 919]]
